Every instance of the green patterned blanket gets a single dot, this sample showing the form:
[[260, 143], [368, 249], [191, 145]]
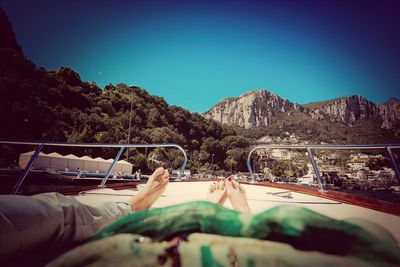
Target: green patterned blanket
[[205, 234]]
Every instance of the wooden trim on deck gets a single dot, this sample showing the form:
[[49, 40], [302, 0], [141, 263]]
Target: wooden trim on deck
[[348, 198]]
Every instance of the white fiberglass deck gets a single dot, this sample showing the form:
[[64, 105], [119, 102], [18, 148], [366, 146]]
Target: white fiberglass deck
[[260, 199]]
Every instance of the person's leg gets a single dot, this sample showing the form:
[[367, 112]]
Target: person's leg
[[52, 219], [237, 196], [217, 193], [154, 188]]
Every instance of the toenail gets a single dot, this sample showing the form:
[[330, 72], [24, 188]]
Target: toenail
[[229, 178]]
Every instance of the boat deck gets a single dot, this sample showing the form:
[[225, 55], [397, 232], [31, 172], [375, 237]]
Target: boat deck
[[260, 198]]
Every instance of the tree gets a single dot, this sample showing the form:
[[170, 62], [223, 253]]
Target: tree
[[376, 164], [139, 161], [234, 141], [238, 155], [231, 163]]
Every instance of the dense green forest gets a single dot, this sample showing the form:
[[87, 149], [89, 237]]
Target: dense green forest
[[57, 106]]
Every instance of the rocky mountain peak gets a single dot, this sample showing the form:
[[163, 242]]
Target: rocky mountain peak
[[390, 114], [344, 109], [251, 109], [263, 108]]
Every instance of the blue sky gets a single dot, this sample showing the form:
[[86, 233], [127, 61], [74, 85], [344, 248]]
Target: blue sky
[[196, 53]]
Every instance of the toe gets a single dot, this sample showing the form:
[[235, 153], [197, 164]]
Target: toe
[[235, 184], [157, 174], [165, 175], [161, 176], [241, 188], [229, 185], [158, 171]]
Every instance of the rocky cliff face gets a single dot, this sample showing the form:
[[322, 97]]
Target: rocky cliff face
[[352, 108], [345, 109], [390, 114], [261, 108], [252, 109]]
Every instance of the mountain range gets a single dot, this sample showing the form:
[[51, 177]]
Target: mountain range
[[263, 108]]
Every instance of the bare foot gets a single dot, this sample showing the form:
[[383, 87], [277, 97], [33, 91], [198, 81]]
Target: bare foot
[[237, 196], [153, 189], [217, 193]]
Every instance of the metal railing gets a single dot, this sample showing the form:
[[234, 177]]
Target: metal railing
[[309, 148], [121, 147]]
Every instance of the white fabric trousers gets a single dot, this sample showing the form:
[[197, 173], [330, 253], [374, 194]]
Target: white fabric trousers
[[50, 219]]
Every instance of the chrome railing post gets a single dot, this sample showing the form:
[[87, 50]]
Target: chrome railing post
[[182, 169], [249, 167], [315, 168], [27, 169], [103, 182], [394, 163]]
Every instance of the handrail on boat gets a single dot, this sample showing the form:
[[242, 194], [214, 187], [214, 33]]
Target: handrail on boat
[[309, 148], [121, 147]]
